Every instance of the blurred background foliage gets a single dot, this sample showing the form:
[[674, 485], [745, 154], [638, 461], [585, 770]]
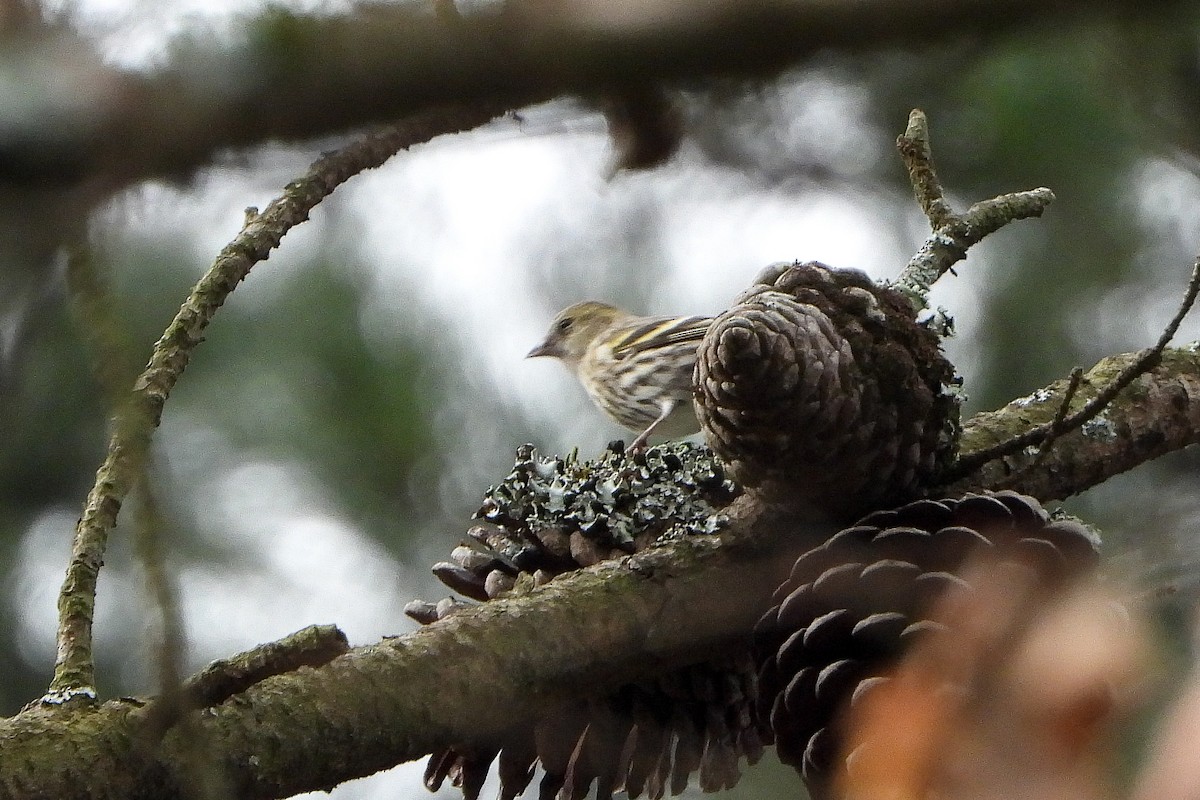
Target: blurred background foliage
[[353, 400]]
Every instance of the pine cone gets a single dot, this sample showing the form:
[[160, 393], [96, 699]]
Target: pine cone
[[551, 516], [819, 386], [854, 603]]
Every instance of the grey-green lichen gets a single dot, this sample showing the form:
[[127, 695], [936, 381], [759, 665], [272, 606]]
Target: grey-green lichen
[[672, 489]]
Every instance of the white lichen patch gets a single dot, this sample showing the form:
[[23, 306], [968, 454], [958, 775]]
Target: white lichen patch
[[67, 695], [939, 321], [1040, 396], [1099, 428]]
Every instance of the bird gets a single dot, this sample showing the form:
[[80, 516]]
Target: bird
[[637, 370]]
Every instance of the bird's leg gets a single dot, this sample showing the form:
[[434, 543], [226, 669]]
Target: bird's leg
[[640, 442]]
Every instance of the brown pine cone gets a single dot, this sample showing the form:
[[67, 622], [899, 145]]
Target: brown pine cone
[[819, 387], [853, 604]]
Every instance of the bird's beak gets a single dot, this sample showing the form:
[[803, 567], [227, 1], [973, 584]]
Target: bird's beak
[[546, 348]]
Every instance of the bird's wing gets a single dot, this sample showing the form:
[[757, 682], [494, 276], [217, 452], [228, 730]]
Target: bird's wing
[[659, 332]]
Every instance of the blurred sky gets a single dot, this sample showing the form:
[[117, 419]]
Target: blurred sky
[[462, 243]]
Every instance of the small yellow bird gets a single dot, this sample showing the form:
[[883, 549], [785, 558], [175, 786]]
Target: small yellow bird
[[637, 370]]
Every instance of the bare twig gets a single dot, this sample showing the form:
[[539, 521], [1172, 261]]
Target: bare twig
[[1056, 426], [108, 343], [1146, 360], [74, 670], [953, 233], [111, 350], [148, 545], [917, 154], [310, 647]]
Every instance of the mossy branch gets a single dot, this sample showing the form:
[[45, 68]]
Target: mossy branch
[[1044, 435], [468, 677], [1157, 413]]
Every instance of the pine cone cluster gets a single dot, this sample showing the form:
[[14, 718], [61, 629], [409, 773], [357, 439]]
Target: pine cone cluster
[[551, 516], [820, 386], [853, 604]]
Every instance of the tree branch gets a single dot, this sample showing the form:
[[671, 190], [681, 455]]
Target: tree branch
[[1043, 435], [137, 418], [306, 76], [473, 675], [1157, 414]]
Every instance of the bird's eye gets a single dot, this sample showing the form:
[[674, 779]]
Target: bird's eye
[[564, 325]]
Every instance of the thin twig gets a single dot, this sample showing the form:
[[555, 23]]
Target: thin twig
[[313, 646], [917, 155], [1056, 427], [948, 245], [74, 669], [1146, 360], [953, 233], [111, 355], [148, 545], [1184, 307], [108, 344], [108, 348]]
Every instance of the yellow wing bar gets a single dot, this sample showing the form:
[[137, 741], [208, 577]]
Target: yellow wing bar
[[660, 332]]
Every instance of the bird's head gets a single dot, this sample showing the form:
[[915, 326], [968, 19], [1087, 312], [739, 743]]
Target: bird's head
[[574, 329]]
